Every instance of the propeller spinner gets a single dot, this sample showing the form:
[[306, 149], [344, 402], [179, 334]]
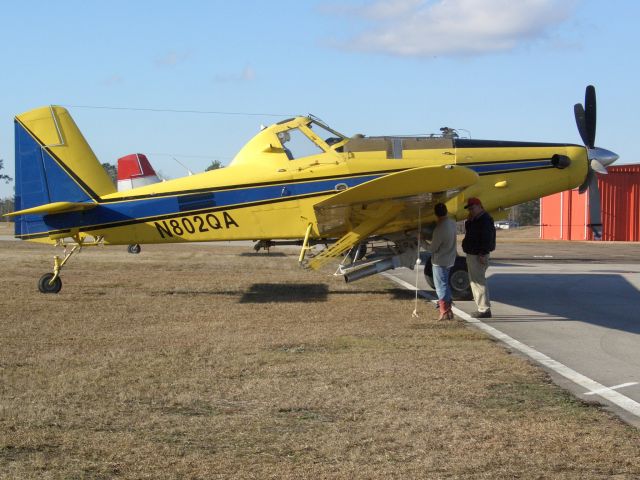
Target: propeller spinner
[[599, 158]]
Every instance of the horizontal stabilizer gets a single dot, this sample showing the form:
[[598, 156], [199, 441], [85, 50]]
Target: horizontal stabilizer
[[407, 183], [53, 208]]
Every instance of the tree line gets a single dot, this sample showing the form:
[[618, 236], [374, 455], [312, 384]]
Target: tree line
[[6, 204]]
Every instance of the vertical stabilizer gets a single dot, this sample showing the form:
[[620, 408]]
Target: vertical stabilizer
[[54, 164], [51, 132]]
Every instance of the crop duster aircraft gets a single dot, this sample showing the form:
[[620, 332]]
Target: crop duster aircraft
[[297, 181]]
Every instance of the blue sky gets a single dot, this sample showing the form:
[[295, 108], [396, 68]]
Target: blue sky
[[501, 69]]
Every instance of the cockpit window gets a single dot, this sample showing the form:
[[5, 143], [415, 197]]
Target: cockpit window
[[329, 136], [297, 145]]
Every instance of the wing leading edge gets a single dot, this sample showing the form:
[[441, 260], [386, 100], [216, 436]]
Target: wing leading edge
[[406, 183]]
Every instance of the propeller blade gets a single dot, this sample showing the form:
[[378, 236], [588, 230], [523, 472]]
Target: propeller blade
[[598, 167], [581, 122], [585, 185], [595, 216], [590, 115]]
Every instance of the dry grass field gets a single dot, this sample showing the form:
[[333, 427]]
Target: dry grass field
[[201, 362]]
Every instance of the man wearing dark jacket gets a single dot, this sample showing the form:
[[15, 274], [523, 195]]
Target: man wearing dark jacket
[[479, 241]]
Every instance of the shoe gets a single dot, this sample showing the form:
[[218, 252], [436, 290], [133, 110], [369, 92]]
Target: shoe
[[442, 306], [480, 314], [448, 311]]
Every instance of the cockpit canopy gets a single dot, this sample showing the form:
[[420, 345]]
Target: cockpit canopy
[[296, 138], [307, 137]]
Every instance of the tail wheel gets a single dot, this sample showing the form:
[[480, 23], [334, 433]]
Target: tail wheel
[[45, 285], [134, 249]]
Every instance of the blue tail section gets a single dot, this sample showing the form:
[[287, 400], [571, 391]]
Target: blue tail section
[[40, 180], [56, 172]]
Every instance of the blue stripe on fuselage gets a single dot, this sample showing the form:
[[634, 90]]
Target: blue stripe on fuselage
[[501, 167], [115, 213]]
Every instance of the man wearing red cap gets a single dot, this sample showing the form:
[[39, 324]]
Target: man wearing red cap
[[479, 241]]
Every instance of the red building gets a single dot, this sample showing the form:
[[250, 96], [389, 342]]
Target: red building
[[565, 215]]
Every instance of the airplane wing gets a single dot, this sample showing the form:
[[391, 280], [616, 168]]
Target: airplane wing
[[371, 205], [403, 184]]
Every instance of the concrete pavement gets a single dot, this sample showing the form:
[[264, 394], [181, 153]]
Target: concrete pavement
[[582, 316]]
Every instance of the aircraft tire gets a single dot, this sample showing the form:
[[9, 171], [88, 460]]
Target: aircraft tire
[[45, 286], [458, 279], [428, 274], [134, 249]]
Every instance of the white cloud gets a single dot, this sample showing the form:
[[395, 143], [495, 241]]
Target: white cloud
[[247, 74], [172, 59], [113, 80], [455, 27]]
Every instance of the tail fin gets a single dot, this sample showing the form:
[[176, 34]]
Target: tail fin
[[54, 165]]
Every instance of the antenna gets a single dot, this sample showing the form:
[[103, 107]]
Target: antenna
[[183, 165]]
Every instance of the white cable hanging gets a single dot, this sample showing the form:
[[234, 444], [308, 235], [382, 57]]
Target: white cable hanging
[[415, 309]]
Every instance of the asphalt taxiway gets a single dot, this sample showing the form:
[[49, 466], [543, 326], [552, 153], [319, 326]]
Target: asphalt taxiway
[[579, 320]]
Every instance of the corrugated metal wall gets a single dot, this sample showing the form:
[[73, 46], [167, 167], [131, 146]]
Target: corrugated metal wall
[[620, 194], [565, 215]]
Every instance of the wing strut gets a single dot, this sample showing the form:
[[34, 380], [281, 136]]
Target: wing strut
[[305, 244], [378, 218]]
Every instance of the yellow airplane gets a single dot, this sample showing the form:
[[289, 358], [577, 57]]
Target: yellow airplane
[[297, 181]]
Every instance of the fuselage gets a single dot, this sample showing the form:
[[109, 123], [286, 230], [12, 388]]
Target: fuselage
[[269, 190]]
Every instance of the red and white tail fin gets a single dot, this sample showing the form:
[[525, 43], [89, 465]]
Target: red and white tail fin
[[135, 171]]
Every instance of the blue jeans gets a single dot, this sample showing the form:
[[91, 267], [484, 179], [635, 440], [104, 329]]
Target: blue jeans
[[441, 281]]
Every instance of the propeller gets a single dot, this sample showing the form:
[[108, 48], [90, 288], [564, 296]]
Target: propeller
[[599, 158]]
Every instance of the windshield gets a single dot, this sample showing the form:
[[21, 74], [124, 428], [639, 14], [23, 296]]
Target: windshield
[[297, 145], [325, 133]]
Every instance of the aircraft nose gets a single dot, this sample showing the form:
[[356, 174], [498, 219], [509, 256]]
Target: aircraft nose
[[602, 156]]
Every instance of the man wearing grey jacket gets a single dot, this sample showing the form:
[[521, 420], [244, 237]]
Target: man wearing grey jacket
[[443, 257]]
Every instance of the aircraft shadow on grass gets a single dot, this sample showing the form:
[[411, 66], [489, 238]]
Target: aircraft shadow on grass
[[290, 293], [306, 292]]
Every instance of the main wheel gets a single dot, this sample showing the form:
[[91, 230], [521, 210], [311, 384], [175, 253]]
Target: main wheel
[[428, 273], [458, 279], [45, 285]]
